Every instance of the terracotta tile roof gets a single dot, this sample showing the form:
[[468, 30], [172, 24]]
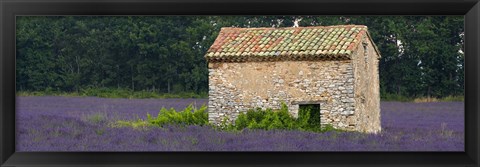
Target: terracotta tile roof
[[331, 42]]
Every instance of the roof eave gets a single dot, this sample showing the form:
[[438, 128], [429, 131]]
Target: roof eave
[[374, 46]]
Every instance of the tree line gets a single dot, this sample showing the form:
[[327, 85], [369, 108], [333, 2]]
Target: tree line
[[421, 55]]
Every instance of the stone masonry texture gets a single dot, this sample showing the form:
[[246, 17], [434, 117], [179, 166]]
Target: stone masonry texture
[[346, 89]]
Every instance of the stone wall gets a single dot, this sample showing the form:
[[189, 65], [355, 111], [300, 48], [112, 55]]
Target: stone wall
[[237, 87], [367, 88]]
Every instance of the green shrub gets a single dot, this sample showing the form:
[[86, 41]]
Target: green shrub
[[267, 119], [308, 119], [281, 119], [189, 116], [264, 119]]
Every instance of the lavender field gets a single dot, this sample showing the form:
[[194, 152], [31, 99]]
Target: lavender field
[[55, 123]]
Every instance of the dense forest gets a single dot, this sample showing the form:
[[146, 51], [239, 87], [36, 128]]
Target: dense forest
[[421, 55]]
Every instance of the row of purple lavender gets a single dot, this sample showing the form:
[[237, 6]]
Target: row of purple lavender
[[48, 123]]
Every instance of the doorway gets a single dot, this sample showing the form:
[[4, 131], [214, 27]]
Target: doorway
[[310, 115]]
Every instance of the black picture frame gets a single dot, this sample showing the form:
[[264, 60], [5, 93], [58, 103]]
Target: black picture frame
[[11, 8]]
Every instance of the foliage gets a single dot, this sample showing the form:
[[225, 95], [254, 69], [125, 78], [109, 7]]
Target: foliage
[[422, 56], [114, 93], [153, 54], [189, 116], [253, 119], [395, 97], [452, 98], [138, 124], [269, 119], [96, 118], [265, 119], [401, 98], [309, 117]]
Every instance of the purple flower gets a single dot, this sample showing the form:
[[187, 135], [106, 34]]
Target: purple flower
[[51, 123]]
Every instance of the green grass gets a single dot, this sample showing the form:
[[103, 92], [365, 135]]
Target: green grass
[[127, 93], [453, 98], [114, 93], [395, 97]]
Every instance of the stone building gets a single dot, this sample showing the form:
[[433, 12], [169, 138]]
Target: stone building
[[335, 67]]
